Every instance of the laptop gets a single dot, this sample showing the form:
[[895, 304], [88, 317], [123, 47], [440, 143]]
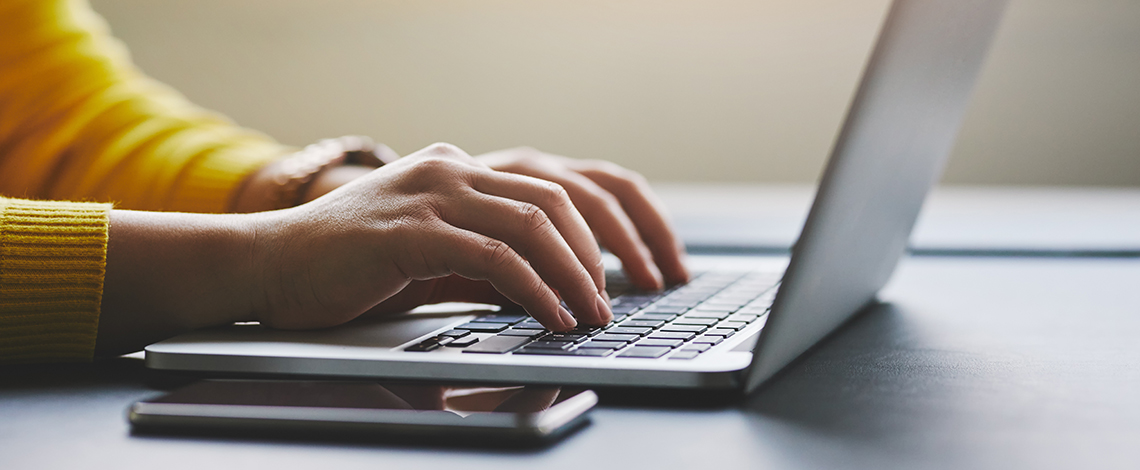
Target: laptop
[[741, 319]]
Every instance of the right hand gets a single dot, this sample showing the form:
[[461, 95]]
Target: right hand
[[422, 221]]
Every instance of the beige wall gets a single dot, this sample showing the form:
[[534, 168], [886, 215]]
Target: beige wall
[[732, 90]]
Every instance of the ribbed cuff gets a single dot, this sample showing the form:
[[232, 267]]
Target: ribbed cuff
[[52, 262]]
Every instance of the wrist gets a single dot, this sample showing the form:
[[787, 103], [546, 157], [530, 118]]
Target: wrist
[[167, 273], [310, 173]]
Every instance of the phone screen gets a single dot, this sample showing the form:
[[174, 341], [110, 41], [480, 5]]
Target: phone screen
[[353, 407]]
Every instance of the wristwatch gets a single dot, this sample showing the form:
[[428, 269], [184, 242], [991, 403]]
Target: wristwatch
[[300, 169]]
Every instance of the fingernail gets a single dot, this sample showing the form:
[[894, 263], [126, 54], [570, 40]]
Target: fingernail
[[605, 315], [567, 318]]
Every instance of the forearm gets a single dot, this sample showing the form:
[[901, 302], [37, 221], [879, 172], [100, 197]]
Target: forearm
[[168, 273]]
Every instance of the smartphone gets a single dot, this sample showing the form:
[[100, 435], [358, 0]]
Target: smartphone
[[343, 409]]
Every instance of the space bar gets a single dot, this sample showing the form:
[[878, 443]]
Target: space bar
[[497, 344]]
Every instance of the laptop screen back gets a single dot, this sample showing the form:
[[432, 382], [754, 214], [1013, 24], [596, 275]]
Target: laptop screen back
[[899, 130]]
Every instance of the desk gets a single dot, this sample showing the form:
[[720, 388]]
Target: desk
[[973, 363], [955, 219]]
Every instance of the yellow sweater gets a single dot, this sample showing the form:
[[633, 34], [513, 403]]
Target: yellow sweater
[[79, 123]]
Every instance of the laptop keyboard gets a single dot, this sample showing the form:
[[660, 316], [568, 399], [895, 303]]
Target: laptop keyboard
[[679, 323]]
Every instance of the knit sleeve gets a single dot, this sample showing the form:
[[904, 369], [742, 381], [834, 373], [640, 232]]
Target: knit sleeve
[[78, 121], [52, 260]]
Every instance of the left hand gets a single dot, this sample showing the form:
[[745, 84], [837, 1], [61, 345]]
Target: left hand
[[619, 206]]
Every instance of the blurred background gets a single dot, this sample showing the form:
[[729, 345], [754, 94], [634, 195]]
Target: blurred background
[[716, 90]]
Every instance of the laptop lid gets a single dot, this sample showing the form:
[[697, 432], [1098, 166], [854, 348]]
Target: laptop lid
[[898, 133]]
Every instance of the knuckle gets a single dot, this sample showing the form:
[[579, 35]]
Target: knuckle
[[608, 167], [435, 169], [527, 153], [443, 149], [496, 254], [554, 194], [607, 201], [622, 172], [534, 219]]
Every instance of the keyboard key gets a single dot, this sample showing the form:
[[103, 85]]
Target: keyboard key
[[621, 330], [543, 344], [730, 306], [755, 309], [587, 330], [568, 337], [669, 343], [510, 318], [544, 352], [736, 325], [666, 309], [462, 342], [685, 328], [455, 333], [531, 324], [683, 336], [683, 303], [592, 352], [683, 354], [497, 345], [645, 352], [609, 345], [616, 337], [527, 332], [703, 308], [687, 320], [717, 314], [710, 340], [483, 327], [742, 317], [654, 316], [642, 323], [424, 346], [698, 347], [725, 332], [624, 309]]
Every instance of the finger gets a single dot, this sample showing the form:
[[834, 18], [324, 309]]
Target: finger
[[445, 250], [530, 232], [612, 225], [646, 211], [554, 201]]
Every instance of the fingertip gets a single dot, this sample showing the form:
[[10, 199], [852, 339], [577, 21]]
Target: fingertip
[[654, 281], [605, 315], [679, 274], [568, 321]]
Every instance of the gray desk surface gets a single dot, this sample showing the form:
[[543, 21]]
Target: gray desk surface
[[1035, 220], [972, 363]]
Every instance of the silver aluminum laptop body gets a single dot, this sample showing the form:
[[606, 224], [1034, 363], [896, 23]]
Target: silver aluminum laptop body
[[899, 130]]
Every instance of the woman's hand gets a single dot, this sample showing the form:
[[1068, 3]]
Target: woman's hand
[[619, 205], [428, 217]]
